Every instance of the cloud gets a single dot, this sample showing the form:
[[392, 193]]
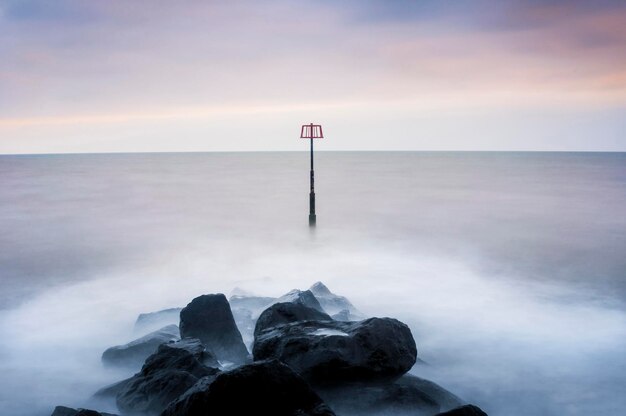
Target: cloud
[[112, 61]]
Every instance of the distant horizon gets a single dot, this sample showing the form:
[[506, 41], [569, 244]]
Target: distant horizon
[[307, 151]]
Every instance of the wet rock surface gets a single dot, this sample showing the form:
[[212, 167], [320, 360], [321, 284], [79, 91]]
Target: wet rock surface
[[301, 297], [376, 348], [166, 375], [210, 319], [68, 411], [466, 410], [284, 313], [263, 388]]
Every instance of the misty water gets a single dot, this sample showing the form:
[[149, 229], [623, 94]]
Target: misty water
[[510, 268]]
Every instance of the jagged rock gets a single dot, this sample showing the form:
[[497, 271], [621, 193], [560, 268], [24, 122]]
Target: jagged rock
[[166, 375], [197, 349], [135, 352], [283, 313], [376, 348], [335, 304], [344, 316], [209, 318], [303, 297], [467, 410], [153, 320], [68, 411], [262, 388]]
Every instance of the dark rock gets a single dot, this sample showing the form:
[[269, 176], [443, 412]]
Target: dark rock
[[335, 304], [302, 297], [376, 348], [369, 399], [166, 375], [209, 318], [68, 411], [262, 388], [111, 390], [284, 313], [195, 348], [135, 352], [409, 395], [153, 320], [467, 410], [445, 399]]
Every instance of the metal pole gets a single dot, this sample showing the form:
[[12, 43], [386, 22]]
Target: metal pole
[[312, 217]]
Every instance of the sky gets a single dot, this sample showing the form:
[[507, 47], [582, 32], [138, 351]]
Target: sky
[[136, 76]]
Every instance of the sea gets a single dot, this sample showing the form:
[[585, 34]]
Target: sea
[[509, 267]]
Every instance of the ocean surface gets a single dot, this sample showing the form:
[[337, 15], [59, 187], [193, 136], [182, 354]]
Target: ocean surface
[[510, 268]]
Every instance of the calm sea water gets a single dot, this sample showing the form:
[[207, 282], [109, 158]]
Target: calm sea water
[[509, 267]]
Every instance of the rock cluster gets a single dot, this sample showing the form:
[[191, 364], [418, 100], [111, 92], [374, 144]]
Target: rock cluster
[[311, 356]]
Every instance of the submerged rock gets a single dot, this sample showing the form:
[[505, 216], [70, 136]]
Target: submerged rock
[[166, 375], [153, 320], [135, 352], [68, 411], [250, 302], [409, 395], [467, 410], [262, 388], [334, 304], [376, 348], [284, 313], [209, 318]]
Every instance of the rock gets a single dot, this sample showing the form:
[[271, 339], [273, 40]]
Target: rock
[[135, 352], [166, 375], [376, 348], [344, 315], [369, 399], [68, 411], [408, 395], [153, 320], [445, 399], [197, 349], [335, 304], [283, 313], [303, 297], [467, 410], [111, 390], [262, 388], [209, 318]]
